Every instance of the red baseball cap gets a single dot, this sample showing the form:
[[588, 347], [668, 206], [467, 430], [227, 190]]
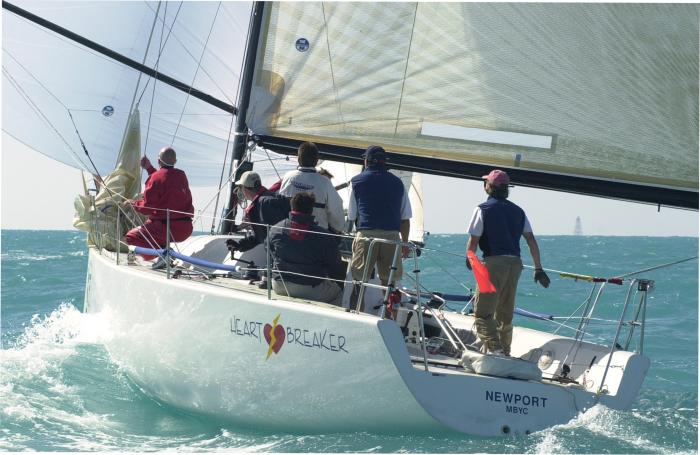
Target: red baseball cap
[[497, 177]]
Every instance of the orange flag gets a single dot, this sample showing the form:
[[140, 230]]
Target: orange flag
[[481, 274]]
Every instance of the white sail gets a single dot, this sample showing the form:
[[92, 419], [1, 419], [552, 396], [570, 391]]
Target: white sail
[[98, 214], [46, 76], [569, 89]]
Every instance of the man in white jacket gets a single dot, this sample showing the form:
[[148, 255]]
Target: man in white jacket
[[328, 209]]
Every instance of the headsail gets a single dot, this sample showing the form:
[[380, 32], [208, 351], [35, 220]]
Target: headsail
[[594, 105], [98, 214], [46, 76]]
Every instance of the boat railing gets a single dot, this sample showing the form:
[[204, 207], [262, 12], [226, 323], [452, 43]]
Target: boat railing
[[634, 298], [629, 321], [391, 284], [363, 284]]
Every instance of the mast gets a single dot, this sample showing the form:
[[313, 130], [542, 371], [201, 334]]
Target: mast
[[241, 130]]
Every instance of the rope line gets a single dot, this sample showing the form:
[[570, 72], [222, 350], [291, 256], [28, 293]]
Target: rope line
[[199, 65]]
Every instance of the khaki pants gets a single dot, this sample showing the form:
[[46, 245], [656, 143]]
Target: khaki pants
[[382, 254], [494, 311], [325, 291]]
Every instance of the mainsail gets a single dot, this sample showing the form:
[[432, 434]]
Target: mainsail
[[592, 98]]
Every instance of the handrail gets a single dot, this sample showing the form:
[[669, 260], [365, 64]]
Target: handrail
[[391, 285]]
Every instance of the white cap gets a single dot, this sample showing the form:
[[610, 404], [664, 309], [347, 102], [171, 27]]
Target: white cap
[[248, 179]]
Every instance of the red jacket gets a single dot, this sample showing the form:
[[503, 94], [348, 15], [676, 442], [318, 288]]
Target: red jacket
[[166, 188]]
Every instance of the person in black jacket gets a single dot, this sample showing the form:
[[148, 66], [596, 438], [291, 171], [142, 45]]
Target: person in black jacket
[[265, 208], [296, 247]]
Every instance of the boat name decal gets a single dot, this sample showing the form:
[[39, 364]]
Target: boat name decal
[[518, 403], [276, 334]]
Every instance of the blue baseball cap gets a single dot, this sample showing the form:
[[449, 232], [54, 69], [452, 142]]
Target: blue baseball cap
[[375, 153]]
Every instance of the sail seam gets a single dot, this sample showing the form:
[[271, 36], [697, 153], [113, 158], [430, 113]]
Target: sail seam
[[405, 70], [330, 65]]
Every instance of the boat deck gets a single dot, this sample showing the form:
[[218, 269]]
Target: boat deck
[[219, 280]]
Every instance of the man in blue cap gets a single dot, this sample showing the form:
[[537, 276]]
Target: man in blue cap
[[380, 208]]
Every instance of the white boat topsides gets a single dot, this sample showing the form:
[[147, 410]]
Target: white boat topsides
[[211, 341]]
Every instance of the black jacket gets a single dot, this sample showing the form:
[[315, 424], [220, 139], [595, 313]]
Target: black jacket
[[268, 208], [305, 252]]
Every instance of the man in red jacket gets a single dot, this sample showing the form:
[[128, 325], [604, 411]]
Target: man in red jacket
[[166, 189]]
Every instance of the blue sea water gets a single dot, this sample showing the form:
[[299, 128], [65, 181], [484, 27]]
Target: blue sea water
[[59, 390]]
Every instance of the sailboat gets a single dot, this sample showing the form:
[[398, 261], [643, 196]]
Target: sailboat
[[595, 99]]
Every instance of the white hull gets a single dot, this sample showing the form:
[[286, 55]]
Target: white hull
[[200, 346]]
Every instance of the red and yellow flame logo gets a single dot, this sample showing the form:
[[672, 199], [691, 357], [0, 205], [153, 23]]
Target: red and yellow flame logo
[[274, 335]]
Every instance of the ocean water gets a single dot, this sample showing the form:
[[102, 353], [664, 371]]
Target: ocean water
[[60, 391]]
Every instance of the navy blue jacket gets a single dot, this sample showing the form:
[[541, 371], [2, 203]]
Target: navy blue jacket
[[305, 252], [503, 226], [378, 194], [269, 208]]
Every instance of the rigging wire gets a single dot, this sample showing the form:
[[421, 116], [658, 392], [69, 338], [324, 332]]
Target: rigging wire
[[138, 81], [212, 79], [330, 65], [221, 178], [656, 267], [79, 161], [199, 65], [162, 45], [155, 80], [42, 116]]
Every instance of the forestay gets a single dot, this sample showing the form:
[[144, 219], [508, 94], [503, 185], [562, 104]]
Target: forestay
[[560, 90]]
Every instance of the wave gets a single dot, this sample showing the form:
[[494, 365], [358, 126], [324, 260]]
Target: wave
[[625, 432]]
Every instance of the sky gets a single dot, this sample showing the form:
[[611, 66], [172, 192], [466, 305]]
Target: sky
[[38, 193]]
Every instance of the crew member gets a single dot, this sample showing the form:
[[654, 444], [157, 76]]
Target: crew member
[[328, 210], [299, 246], [496, 227], [166, 189], [380, 207], [265, 208]]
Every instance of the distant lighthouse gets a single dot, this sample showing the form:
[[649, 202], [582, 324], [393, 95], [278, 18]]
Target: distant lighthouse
[[578, 230]]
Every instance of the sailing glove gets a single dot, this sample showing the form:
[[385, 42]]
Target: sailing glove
[[469, 264], [542, 278], [145, 162]]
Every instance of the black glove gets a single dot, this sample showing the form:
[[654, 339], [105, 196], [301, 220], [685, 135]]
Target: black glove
[[542, 278], [469, 264], [232, 246]]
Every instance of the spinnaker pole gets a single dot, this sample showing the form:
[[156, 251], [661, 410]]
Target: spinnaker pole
[[241, 129]]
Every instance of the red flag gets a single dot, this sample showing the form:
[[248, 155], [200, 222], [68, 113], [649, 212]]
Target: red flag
[[481, 274]]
